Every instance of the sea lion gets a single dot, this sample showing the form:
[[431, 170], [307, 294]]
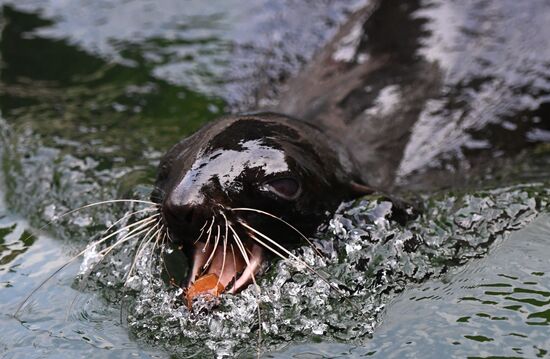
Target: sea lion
[[246, 187], [413, 118]]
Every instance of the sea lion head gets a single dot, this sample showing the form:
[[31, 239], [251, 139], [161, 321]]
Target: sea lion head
[[240, 189]]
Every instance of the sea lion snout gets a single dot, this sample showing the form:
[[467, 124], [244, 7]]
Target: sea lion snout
[[190, 203]]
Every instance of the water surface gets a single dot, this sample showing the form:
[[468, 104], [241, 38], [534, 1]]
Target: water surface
[[90, 97]]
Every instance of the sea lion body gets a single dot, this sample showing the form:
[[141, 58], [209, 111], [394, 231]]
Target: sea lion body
[[430, 95]]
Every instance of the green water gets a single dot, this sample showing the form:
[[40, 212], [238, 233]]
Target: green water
[[91, 96]]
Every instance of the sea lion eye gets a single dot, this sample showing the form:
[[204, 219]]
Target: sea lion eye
[[287, 188]]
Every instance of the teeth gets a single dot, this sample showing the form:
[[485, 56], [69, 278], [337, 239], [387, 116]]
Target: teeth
[[199, 259], [236, 274], [248, 275]]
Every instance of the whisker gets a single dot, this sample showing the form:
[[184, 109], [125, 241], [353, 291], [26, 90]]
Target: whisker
[[290, 254], [120, 230], [209, 232], [93, 268], [258, 302], [224, 248], [213, 250], [145, 239], [126, 238], [169, 237], [201, 231], [127, 215], [105, 202], [20, 306], [133, 233], [160, 235], [298, 260], [234, 259], [282, 221], [147, 220], [241, 246], [136, 257], [141, 247], [274, 251], [242, 249], [154, 236], [204, 225], [164, 261], [71, 260], [104, 252]]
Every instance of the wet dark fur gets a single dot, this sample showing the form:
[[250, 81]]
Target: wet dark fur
[[190, 194]]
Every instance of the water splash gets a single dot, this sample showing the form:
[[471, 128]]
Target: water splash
[[370, 257]]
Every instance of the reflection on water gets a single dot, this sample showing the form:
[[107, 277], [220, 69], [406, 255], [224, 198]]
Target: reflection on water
[[25, 260], [497, 306], [91, 93], [435, 94], [497, 88], [220, 48]]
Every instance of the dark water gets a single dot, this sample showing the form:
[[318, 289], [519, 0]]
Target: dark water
[[90, 96]]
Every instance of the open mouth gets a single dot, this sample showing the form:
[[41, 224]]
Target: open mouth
[[222, 266], [233, 270], [229, 254]]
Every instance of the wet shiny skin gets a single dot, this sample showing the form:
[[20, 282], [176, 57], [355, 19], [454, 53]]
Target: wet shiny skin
[[227, 166], [266, 162]]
